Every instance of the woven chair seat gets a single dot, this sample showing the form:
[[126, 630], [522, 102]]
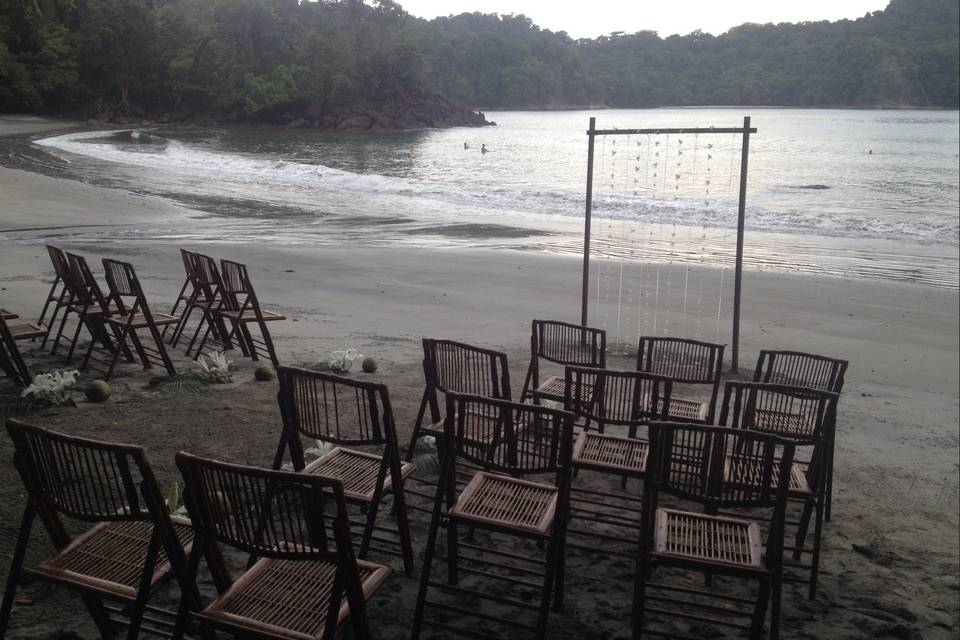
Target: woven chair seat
[[554, 388], [685, 409], [8, 315], [288, 598], [357, 470], [507, 502], [747, 471], [249, 315], [26, 331], [709, 539], [783, 423], [140, 321], [610, 452], [110, 557]]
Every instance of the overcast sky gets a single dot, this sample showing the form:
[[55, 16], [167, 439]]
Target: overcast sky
[[591, 18]]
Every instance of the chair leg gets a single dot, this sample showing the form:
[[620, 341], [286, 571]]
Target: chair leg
[[415, 435], [143, 593], [639, 595], [13, 577], [548, 579], [268, 340], [138, 347], [776, 588], [63, 323], [429, 552], [76, 338], [817, 541], [121, 341], [368, 528], [760, 610], [829, 474], [50, 298], [183, 611], [162, 348]]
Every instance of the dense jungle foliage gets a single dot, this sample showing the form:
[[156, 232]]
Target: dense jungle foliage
[[258, 58]]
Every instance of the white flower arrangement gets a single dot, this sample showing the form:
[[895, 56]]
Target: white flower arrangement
[[214, 367], [52, 388], [339, 361]]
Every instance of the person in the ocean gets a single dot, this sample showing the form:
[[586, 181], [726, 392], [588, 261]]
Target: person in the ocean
[[483, 148], [465, 146]]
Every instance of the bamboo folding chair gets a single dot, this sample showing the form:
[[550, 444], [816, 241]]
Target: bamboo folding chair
[[92, 308], [450, 366], [133, 545], [11, 360], [687, 362], [717, 468], [614, 408], [188, 293], [805, 370], [239, 306], [805, 416], [335, 410], [302, 579], [209, 296], [133, 314], [58, 294], [563, 344], [522, 491]]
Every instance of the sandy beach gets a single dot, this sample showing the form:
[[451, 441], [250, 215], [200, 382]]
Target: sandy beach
[[891, 559]]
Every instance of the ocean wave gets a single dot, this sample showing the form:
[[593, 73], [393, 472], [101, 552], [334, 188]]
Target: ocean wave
[[272, 177]]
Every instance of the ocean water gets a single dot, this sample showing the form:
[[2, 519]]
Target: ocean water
[[851, 193]]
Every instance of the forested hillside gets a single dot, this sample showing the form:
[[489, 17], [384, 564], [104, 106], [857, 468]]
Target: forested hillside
[[267, 59]]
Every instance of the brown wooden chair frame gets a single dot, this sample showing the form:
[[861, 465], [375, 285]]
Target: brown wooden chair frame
[[564, 344], [123, 283], [683, 368], [94, 482], [240, 307], [275, 517], [529, 440], [208, 297], [58, 294], [690, 461], [805, 370], [741, 403], [11, 360], [451, 366], [310, 404]]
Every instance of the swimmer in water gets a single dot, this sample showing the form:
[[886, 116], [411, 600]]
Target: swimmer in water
[[465, 146], [483, 148]]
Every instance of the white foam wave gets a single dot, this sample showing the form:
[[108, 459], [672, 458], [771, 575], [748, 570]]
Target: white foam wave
[[271, 178]]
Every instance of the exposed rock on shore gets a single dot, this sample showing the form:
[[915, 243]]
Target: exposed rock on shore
[[407, 111]]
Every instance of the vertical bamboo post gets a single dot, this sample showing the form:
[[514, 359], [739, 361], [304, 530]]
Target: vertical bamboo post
[[741, 215], [585, 290]]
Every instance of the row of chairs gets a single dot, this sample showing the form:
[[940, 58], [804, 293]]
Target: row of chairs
[[223, 293]]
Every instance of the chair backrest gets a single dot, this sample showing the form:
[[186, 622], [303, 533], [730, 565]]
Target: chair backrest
[[85, 479], [608, 396], [125, 288], [273, 514], [334, 409], [11, 362], [719, 467], [802, 414], [83, 284], [801, 370], [508, 437], [457, 367], [60, 266], [568, 344], [682, 359]]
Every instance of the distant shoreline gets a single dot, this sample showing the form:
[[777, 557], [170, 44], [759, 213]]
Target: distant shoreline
[[715, 106]]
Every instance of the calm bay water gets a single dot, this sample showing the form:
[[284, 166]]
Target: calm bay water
[[836, 192]]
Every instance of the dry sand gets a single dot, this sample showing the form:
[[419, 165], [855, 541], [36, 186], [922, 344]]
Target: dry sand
[[890, 565]]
